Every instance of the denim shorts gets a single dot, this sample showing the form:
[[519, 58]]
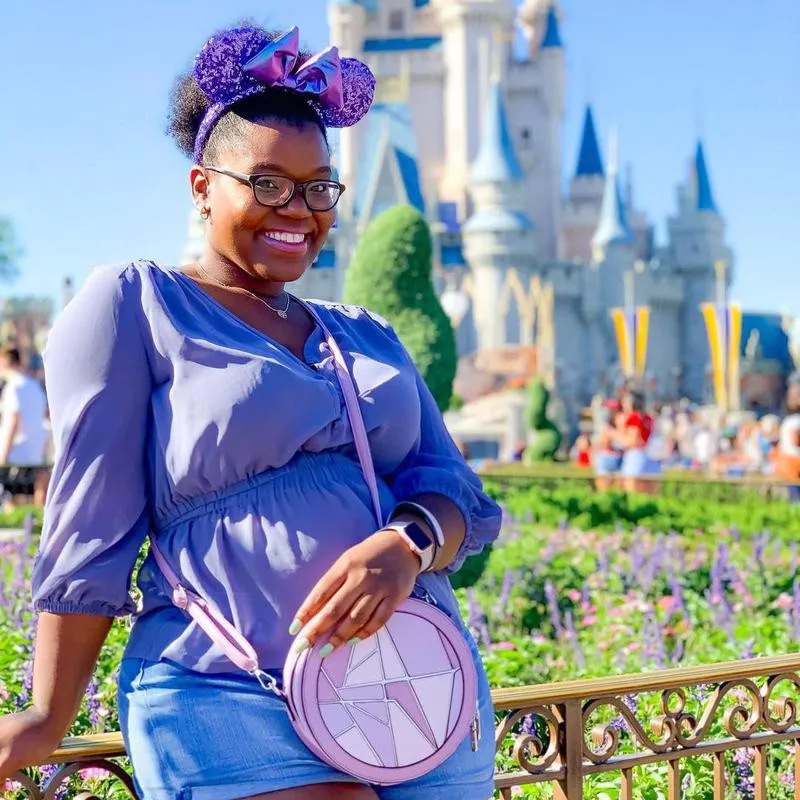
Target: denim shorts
[[607, 463], [200, 736], [637, 463]]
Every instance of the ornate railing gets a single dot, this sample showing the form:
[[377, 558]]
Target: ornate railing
[[564, 733]]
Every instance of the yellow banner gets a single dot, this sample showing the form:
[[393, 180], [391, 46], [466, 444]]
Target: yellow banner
[[716, 345], [624, 344], [734, 353], [642, 332]]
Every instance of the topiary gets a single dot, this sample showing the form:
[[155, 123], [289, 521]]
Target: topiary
[[545, 438], [390, 274]]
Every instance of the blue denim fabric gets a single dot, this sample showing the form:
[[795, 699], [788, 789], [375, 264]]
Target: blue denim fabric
[[196, 736]]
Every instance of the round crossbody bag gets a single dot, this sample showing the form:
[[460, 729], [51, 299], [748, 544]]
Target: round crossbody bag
[[386, 710]]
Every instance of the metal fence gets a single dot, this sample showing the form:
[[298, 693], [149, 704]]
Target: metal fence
[[629, 726]]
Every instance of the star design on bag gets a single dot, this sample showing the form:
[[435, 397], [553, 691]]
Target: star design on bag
[[391, 710]]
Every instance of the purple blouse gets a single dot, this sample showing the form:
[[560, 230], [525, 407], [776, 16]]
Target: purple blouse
[[171, 414]]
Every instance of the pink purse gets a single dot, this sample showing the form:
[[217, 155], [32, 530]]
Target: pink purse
[[387, 710]]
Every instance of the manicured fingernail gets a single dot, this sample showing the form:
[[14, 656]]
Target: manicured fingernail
[[301, 644], [326, 651], [354, 641], [294, 628]]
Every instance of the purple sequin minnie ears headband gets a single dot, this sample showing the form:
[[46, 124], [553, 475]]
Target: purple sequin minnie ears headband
[[241, 62]]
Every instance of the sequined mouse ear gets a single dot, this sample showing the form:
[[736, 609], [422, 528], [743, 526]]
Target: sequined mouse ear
[[358, 87], [218, 67]]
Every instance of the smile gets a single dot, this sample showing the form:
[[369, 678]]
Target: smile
[[285, 241]]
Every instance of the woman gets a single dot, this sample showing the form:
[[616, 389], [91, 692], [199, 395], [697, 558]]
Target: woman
[[637, 428], [203, 404], [607, 455]]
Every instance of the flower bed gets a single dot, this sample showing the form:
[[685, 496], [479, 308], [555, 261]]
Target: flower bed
[[577, 587]]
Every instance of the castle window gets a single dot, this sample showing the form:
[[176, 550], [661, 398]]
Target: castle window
[[397, 21]]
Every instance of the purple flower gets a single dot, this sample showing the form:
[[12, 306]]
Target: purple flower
[[93, 703], [476, 619], [654, 647], [46, 774], [743, 780], [552, 604], [572, 636], [505, 593]]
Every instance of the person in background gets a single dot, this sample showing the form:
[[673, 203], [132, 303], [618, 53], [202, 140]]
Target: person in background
[[787, 463], [581, 454], [607, 453], [23, 406], [637, 428]]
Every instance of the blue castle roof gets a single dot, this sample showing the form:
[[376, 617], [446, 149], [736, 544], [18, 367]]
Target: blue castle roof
[[705, 197], [389, 135], [590, 162], [552, 34], [496, 161], [613, 227]]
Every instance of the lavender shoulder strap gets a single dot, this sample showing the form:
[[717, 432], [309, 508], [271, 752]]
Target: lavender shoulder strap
[[210, 620], [353, 412]]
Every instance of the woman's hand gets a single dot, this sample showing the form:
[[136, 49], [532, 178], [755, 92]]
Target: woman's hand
[[358, 594], [26, 738]]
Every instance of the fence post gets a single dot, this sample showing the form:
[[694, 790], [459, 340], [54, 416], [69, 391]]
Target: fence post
[[571, 788]]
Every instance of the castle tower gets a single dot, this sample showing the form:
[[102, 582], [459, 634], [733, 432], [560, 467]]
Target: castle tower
[[582, 209], [696, 245], [474, 42], [613, 255], [347, 20], [536, 103], [498, 234]]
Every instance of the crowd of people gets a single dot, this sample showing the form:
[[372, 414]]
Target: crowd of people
[[630, 443]]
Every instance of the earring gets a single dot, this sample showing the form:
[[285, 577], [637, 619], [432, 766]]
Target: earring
[[205, 213]]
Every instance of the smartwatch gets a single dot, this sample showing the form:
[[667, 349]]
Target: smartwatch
[[417, 540]]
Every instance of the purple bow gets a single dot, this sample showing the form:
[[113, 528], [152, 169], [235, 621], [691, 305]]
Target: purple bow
[[321, 75]]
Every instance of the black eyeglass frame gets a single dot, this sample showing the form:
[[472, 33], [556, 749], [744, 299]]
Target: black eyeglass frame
[[301, 185]]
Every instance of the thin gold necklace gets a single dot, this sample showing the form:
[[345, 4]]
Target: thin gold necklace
[[283, 313]]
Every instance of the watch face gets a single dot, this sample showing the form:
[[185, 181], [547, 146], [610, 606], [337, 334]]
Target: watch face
[[417, 535]]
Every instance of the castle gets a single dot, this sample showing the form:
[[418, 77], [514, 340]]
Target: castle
[[471, 134]]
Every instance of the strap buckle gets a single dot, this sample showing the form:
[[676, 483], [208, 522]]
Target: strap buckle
[[475, 729], [268, 683]]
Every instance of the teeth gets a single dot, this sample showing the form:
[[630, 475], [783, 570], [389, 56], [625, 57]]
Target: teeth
[[291, 238]]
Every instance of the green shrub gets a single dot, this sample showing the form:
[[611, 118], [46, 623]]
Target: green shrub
[[391, 275]]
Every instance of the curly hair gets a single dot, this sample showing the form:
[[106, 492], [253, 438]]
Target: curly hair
[[188, 106]]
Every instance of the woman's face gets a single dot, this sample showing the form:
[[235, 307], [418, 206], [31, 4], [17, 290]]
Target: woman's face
[[242, 231]]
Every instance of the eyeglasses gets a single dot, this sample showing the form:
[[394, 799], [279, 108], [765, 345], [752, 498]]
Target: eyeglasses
[[277, 191]]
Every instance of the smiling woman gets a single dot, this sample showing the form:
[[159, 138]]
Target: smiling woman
[[292, 470]]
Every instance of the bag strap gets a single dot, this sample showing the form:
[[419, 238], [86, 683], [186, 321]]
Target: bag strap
[[353, 412], [232, 643]]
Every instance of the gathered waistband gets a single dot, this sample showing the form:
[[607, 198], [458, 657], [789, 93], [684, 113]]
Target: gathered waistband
[[219, 498]]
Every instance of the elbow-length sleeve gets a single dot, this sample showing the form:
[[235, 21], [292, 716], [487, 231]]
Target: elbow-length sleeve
[[435, 466], [98, 380]]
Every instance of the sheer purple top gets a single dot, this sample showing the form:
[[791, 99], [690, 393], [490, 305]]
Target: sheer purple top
[[171, 414]]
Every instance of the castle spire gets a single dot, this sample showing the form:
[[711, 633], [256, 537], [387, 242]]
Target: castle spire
[[613, 226], [496, 161], [552, 33], [705, 197], [590, 162]]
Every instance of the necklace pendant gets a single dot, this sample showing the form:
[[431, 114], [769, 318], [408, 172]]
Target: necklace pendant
[[282, 314]]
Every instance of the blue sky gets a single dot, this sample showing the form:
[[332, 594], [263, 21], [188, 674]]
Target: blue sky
[[88, 176]]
